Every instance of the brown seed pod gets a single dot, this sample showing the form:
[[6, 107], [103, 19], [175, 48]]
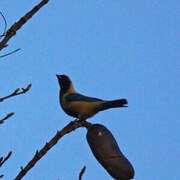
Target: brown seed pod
[[106, 150]]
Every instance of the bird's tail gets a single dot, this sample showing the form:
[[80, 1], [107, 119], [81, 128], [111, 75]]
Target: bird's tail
[[112, 104]]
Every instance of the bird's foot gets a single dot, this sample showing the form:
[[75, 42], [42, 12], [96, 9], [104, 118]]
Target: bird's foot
[[76, 120], [79, 120]]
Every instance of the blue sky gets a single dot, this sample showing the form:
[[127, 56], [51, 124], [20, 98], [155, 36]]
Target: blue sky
[[110, 49]]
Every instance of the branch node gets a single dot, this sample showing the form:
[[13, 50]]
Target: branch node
[[15, 92]]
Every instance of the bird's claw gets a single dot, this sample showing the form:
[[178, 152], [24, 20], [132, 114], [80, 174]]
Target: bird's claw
[[79, 120], [76, 120]]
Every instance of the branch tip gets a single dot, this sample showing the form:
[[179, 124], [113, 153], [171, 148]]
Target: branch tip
[[6, 117], [16, 92], [3, 160], [82, 172]]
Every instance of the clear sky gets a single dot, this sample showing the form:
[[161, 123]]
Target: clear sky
[[111, 49]]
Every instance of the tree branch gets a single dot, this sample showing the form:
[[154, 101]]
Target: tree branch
[[16, 92], [6, 117], [39, 154], [82, 172], [3, 160], [12, 52], [16, 26], [5, 24]]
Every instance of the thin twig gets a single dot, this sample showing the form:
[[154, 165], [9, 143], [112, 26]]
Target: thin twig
[[16, 92], [39, 154], [16, 26], [3, 160], [10, 53], [82, 172], [6, 117], [5, 24]]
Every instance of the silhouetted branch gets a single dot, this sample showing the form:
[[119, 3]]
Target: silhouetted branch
[[17, 25], [82, 172], [10, 53], [5, 24], [6, 117], [16, 92], [3, 34], [3, 160], [39, 154]]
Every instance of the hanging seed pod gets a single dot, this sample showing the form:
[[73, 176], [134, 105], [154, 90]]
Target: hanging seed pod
[[104, 147]]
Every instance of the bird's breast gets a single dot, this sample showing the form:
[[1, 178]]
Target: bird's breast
[[76, 108]]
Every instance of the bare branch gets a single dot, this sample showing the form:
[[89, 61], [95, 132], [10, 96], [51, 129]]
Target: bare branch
[[82, 172], [6, 117], [16, 92], [10, 53], [16, 26], [3, 160], [5, 24], [39, 154]]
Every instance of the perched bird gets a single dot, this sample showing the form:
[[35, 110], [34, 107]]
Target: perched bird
[[80, 106]]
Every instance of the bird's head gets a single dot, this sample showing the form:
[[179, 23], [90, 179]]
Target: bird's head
[[64, 82]]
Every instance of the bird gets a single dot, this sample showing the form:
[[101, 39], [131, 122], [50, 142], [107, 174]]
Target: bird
[[80, 106]]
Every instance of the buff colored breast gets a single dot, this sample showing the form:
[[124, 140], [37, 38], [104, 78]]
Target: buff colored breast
[[85, 109]]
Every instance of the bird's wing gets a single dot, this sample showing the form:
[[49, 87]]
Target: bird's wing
[[80, 97]]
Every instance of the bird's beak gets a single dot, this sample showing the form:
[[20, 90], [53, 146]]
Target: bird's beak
[[58, 76]]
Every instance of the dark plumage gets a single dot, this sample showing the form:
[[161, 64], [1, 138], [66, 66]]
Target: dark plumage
[[80, 106]]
